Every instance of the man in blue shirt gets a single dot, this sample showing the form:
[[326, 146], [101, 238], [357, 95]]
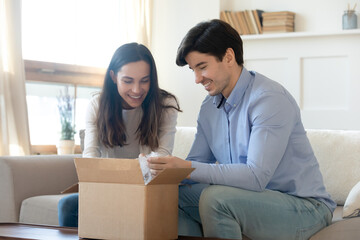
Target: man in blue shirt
[[256, 171]]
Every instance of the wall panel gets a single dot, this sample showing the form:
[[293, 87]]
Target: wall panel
[[321, 71]]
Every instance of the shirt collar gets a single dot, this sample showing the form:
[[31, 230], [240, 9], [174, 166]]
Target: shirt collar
[[238, 92]]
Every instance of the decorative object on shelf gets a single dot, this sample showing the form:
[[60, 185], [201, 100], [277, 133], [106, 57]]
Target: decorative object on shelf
[[66, 104], [349, 18], [277, 22]]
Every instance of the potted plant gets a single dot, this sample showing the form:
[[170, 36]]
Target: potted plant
[[66, 144]]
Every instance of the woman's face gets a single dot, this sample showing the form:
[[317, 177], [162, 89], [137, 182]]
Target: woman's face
[[133, 83]]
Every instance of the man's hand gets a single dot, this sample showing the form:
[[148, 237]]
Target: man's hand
[[157, 164]]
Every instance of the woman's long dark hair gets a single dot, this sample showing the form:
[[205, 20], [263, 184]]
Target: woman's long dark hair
[[110, 123]]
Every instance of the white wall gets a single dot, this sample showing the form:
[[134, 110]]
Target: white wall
[[172, 20]]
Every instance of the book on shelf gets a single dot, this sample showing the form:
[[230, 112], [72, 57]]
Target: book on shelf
[[236, 23], [278, 14], [250, 19], [284, 18], [223, 16], [277, 29], [278, 23], [258, 19], [228, 16], [244, 22], [244, 26], [272, 17]]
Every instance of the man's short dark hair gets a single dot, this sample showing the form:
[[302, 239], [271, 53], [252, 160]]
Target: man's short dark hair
[[212, 37]]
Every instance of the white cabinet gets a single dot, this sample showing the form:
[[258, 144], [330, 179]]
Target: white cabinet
[[321, 70]]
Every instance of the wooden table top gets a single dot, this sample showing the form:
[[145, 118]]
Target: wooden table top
[[32, 231], [11, 231]]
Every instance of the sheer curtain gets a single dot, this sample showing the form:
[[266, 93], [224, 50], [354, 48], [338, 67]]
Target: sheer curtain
[[138, 20], [14, 130]]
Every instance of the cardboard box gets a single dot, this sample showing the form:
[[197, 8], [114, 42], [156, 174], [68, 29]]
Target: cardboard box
[[114, 203]]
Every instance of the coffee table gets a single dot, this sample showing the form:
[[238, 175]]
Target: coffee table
[[11, 231], [32, 231]]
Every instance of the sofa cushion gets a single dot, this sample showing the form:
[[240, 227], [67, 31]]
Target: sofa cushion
[[184, 138], [347, 229], [352, 203], [40, 210], [338, 153], [337, 214]]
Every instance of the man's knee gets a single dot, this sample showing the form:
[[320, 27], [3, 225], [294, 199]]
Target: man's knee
[[225, 198], [211, 198]]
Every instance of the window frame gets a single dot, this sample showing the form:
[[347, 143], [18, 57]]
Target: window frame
[[75, 75]]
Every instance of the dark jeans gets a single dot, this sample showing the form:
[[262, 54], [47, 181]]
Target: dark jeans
[[68, 208]]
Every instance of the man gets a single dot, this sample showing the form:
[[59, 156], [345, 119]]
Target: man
[[256, 170]]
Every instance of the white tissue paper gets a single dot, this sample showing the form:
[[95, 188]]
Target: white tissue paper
[[144, 167]]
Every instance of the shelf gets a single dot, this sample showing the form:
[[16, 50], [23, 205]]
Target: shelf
[[299, 34]]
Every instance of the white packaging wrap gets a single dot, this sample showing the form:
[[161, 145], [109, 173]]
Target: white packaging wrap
[[144, 167]]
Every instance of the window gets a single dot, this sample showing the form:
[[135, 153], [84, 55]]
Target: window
[[43, 113], [61, 37], [44, 83]]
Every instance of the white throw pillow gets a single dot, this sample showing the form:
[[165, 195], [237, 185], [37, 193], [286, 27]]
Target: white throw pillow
[[352, 203]]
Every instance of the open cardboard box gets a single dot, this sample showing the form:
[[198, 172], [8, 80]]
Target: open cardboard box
[[114, 202]]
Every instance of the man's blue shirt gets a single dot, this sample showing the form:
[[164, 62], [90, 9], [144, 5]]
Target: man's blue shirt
[[258, 141]]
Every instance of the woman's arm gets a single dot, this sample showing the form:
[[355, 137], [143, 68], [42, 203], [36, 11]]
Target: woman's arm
[[91, 142], [167, 128]]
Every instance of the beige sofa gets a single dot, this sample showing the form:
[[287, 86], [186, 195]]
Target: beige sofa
[[30, 185]]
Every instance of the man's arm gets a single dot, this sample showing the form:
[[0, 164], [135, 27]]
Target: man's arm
[[200, 150], [272, 118]]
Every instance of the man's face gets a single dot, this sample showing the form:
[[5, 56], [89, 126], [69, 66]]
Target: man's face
[[213, 74]]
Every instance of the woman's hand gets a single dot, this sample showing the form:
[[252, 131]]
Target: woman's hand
[[158, 164]]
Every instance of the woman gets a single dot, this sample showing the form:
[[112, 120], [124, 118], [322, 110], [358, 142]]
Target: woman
[[131, 116]]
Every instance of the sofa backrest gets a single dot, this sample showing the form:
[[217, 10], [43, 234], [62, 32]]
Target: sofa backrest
[[184, 137], [22, 177], [337, 151], [338, 154]]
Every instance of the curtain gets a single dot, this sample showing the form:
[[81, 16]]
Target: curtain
[[137, 20], [14, 129]]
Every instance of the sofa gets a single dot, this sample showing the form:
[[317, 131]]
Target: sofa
[[30, 186]]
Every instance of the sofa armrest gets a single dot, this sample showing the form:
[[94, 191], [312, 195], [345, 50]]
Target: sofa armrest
[[22, 177]]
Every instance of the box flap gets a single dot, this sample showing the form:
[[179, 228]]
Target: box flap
[[171, 176], [71, 189], [109, 170]]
